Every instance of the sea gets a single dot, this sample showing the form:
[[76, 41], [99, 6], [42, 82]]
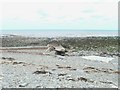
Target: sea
[[61, 33]]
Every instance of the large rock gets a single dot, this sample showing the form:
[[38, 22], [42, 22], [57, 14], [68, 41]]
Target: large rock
[[50, 48], [59, 49]]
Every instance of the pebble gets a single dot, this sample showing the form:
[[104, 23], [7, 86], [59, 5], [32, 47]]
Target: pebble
[[23, 85]]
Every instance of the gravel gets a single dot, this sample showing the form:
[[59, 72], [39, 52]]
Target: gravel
[[50, 71]]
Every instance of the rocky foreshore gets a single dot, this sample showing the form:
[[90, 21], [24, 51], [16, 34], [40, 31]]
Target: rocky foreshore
[[30, 70], [88, 53], [70, 62]]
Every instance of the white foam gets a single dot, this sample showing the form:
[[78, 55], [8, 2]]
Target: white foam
[[98, 58]]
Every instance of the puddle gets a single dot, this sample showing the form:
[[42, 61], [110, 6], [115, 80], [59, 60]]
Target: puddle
[[98, 58]]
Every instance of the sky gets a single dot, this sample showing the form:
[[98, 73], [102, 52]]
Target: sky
[[26, 16]]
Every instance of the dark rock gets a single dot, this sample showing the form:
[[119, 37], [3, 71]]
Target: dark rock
[[62, 53], [41, 72], [14, 63], [62, 74], [71, 79], [23, 85], [83, 79], [3, 58]]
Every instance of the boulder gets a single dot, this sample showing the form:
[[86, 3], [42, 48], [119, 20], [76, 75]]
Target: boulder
[[59, 49], [50, 48]]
